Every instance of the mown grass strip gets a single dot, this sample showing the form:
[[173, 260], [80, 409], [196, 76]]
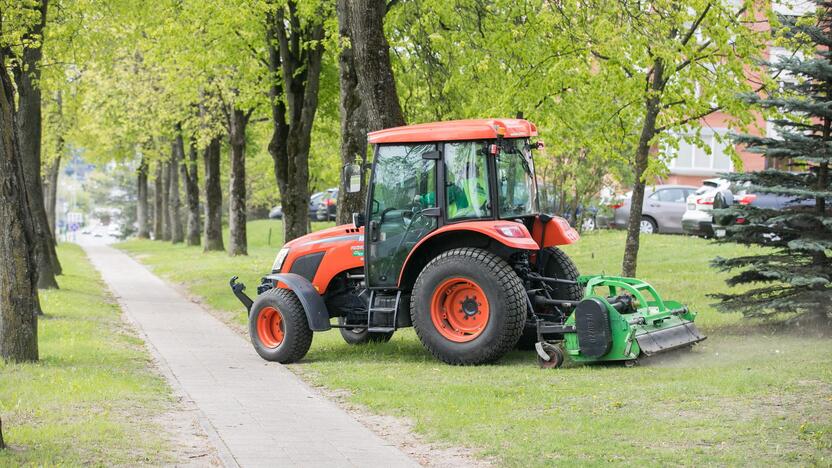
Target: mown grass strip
[[92, 397]]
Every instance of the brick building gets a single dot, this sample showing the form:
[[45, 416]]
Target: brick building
[[692, 164]]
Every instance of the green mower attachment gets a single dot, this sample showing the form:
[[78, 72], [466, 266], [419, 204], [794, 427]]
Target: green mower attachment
[[619, 319]]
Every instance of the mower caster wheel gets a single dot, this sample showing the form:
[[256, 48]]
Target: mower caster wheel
[[631, 363], [553, 355]]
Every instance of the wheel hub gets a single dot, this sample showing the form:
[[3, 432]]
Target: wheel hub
[[459, 309], [470, 307], [270, 327]]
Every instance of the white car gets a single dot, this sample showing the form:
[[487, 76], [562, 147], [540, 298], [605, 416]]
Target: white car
[[698, 217]]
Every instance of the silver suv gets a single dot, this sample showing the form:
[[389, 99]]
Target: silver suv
[[662, 210]]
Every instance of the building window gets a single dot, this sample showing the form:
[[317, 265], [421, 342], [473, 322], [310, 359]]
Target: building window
[[690, 159], [793, 7]]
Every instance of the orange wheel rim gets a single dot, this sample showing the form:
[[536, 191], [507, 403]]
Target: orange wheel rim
[[270, 327], [459, 309]]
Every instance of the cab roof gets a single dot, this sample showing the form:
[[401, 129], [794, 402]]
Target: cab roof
[[455, 130]]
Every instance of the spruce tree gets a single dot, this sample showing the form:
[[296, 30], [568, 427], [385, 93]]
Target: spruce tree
[[792, 278]]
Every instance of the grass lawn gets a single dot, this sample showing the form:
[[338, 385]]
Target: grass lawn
[[92, 397], [745, 396]]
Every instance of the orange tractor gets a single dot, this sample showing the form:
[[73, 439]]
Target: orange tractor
[[452, 242]]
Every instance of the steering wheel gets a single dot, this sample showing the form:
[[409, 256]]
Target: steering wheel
[[414, 216], [384, 213]]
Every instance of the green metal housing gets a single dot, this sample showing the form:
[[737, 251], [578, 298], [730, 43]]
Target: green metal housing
[[640, 321]]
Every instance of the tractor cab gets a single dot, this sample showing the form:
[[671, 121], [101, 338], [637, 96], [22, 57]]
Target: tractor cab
[[468, 174]]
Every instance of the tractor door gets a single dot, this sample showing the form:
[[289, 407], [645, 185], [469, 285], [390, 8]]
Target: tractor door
[[401, 206]]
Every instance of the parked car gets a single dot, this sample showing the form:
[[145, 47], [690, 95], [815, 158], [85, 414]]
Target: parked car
[[586, 216], [662, 211], [329, 205], [322, 205], [698, 217], [726, 197]]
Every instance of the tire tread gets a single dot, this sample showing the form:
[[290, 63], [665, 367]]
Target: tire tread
[[515, 295], [293, 313]]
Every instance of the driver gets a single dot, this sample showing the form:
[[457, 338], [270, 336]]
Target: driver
[[467, 196], [467, 193]]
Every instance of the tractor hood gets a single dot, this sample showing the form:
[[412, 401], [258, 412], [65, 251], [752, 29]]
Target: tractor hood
[[345, 232]]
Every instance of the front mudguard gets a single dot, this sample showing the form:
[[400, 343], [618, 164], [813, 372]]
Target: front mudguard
[[313, 304]]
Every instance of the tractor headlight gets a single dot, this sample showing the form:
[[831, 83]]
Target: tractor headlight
[[278, 261]]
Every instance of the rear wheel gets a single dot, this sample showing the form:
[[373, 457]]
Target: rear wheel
[[357, 336], [278, 326], [468, 307]]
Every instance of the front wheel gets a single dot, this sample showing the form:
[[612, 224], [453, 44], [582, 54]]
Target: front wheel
[[468, 307], [588, 224], [278, 326], [358, 336]]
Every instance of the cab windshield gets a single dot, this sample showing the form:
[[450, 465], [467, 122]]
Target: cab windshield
[[516, 185]]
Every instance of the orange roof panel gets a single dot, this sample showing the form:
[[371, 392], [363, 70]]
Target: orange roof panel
[[455, 130]]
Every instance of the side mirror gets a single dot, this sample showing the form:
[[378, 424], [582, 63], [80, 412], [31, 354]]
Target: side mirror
[[358, 220], [352, 178]]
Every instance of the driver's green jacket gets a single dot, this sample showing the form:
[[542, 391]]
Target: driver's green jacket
[[468, 200]]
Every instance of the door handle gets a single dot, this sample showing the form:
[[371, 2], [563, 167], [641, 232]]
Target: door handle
[[373, 231]]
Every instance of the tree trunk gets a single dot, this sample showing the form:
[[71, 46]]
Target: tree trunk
[[213, 197], [29, 121], [53, 170], [141, 211], [50, 188], [353, 121], [18, 279], [299, 67], [177, 233], [648, 131], [158, 221], [166, 201], [2, 442], [191, 177], [238, 244], [372, 64]]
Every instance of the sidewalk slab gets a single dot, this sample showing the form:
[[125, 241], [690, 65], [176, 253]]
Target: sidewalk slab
[[260, 413]]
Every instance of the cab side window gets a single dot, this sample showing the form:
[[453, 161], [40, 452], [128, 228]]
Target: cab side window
[[466, 181]]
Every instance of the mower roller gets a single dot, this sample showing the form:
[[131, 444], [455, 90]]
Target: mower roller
[[453, 243]]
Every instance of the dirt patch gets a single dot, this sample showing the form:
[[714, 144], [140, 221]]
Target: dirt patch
[[189, 444]]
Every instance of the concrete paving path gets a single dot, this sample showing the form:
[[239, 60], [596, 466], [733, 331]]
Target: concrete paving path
[[256, 413]]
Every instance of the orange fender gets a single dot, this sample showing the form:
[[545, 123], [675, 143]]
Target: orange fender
[[508, 233], [558, 232]]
